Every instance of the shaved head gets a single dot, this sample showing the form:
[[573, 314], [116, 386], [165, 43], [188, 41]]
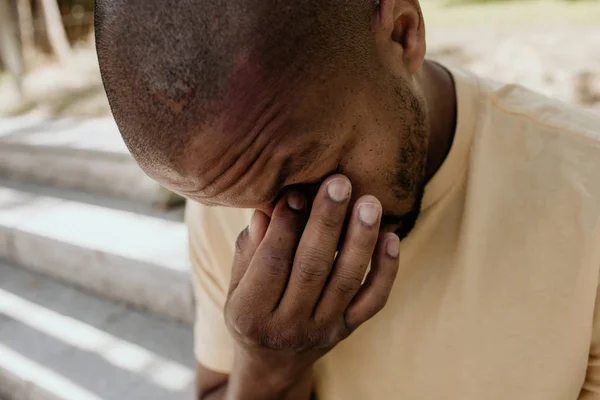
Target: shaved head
[[172, 66], [233, 102]]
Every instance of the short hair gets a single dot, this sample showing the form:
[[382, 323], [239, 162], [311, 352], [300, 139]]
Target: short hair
[[166, 64]]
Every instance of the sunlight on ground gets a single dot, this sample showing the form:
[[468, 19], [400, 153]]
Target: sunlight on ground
[[128, 356], [52, 383]]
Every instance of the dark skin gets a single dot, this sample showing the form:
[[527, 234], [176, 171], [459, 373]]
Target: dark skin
[[291, 300]]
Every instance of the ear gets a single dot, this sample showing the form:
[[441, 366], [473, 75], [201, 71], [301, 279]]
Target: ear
[[401, 26]]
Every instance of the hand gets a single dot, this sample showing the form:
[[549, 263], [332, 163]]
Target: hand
[[291, 299]]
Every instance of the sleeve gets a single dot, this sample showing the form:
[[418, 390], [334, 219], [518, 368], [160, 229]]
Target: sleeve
[[591, 386], [212, 232]]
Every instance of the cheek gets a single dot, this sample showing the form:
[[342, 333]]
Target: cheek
[[369, 170], [381, 183], [374, 183], [373, 169]]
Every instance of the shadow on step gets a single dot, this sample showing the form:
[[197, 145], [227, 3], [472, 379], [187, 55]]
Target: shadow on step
[[79, 347]]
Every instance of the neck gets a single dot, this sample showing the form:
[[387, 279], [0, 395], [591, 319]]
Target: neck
[[439, 90]]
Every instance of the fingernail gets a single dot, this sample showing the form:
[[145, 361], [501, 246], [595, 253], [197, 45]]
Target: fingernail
[[295, 201], [369, 213], [338, 189], [392, 247]]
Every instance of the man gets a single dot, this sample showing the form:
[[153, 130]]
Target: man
[[324, 118]]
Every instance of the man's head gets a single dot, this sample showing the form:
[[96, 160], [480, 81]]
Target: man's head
[[231, 102]]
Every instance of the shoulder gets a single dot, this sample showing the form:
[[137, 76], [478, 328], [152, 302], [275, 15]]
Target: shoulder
[[537, 136], [541, 113], [538, 153]]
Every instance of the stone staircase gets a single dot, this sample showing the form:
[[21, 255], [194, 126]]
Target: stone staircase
[[95, 292]]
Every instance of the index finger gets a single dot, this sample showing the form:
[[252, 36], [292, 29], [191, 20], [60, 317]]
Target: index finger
[[245, 247], [268, 272]]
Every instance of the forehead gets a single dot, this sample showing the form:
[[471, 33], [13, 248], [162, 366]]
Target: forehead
[[255, 177], [249, 169], [265, 137]]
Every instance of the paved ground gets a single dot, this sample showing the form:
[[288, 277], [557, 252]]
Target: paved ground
[[77, 347]]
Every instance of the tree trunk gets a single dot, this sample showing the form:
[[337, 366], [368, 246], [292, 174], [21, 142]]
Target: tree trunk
[[10, 50], [27, 32], [55, 29]]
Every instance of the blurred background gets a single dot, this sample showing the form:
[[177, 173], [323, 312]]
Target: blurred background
[[95, 297]]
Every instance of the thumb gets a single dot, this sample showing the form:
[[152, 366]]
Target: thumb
[[246, 245]]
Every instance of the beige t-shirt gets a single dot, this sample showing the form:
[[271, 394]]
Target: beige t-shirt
[[496, 292]]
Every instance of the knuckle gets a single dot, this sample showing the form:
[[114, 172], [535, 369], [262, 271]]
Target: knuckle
[[244, 325], [280, 336], [382, 300], [347, 281], [300, 338], [345, 288], [377, 305], [342, 331], [325, 223], [364, 242], [317, 338], [294, 335], [275, 265], [312, 270], [260, 333], [273, 339], [355, 253]]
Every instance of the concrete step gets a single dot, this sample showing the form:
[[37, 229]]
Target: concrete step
[[58, 343], [172, 214], [120, 255], [87, 155]]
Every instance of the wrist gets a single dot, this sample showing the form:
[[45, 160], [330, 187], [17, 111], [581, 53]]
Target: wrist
[[261, 376]]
